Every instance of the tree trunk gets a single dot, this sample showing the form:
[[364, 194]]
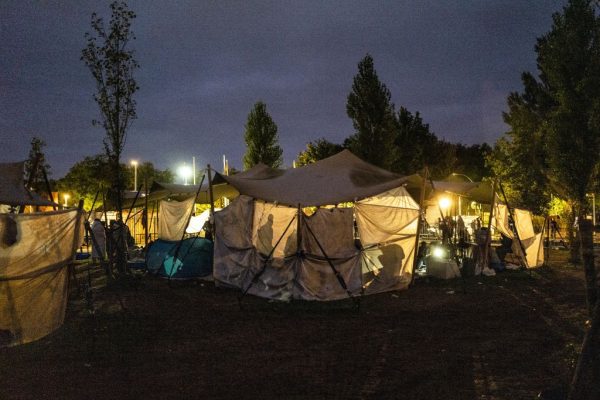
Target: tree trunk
[[587, 251], [586, 381], [573, 236]]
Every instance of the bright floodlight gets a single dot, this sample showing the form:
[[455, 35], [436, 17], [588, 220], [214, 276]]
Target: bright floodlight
[[185, 173], [445, 203], [439, 252]]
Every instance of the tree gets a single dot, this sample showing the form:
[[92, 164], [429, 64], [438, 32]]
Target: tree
[[372, 113], [112, 66], [37, 164], [555, 127], [318, 150], [261, 139], [86, 178], [94, 173], [414, 142]]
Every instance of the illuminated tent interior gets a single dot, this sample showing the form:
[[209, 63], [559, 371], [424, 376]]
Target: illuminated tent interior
[[330, 230]]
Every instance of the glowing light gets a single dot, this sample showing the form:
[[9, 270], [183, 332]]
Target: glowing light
[[134, 163], [445, 203], [66, 197], [438, 252], [185, 172]]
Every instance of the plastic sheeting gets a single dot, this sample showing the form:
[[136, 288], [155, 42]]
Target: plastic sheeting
[[34, 272], [194, 258], [173, 218]]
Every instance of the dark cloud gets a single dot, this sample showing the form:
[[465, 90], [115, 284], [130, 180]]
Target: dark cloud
[[204, 64]]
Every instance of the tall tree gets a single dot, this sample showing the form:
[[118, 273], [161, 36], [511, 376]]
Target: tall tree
[[37, 164], [555, 122], [372, 113], [261, 139], [318, 150], [414, 142], [112, 65]]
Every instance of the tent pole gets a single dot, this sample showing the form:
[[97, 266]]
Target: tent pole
[[211, 199], [488, 238], [264, 266], [145, 216], [178, 246], [339, 277], [510, 213], [48, 188], [419, 224]]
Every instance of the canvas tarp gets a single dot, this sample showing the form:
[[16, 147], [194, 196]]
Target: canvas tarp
[[340, 178], [173, 218], [532, 242], [387, 227], [260, 239], [12, 187], [34, 272]]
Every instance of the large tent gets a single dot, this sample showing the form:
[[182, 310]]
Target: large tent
[[35, 250], [359, 238]]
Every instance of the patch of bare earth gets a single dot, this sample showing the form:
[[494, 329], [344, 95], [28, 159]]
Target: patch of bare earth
[[503, 337]]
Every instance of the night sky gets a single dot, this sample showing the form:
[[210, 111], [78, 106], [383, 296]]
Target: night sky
[[205, 63]]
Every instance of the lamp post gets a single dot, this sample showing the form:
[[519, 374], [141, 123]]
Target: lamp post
[[459, 197], [135, 164], [463, 175]]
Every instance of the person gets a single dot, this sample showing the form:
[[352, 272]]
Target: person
[[98, 240], [554, 228]]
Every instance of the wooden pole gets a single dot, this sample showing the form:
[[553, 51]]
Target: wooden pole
[[419, 223], [211, 199], [488, 239], [146, 212]]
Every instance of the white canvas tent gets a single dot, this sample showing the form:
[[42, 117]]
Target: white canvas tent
[[35, 250], [266, 245], [532, 243]]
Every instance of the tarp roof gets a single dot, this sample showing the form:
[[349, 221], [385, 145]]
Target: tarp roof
[[337, 179], [12, 187], [480, 192], [176, 191]]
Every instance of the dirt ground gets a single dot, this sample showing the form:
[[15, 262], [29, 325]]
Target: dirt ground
[[503, 337]]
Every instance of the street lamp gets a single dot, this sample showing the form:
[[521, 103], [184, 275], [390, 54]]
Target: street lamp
[[185, 172], [135, 164], [66, 197], [444, 203], [463, 175]]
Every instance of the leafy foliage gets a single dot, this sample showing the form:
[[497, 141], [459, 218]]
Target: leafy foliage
[[112, 66], [372, 113], [37, 159], [261, 139], [318, 150], [94, 174]]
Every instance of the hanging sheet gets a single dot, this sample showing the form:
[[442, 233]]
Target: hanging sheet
[[331, 230], [533, 243], [387, 231], [34, 272], [173, 218]]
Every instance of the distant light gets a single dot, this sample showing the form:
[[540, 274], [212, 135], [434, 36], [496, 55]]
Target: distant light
[[134, 163], [66, 197], [439, 252], [185, 172], [445, 203]]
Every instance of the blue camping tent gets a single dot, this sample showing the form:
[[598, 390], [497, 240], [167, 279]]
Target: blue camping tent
[[194, 258]]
